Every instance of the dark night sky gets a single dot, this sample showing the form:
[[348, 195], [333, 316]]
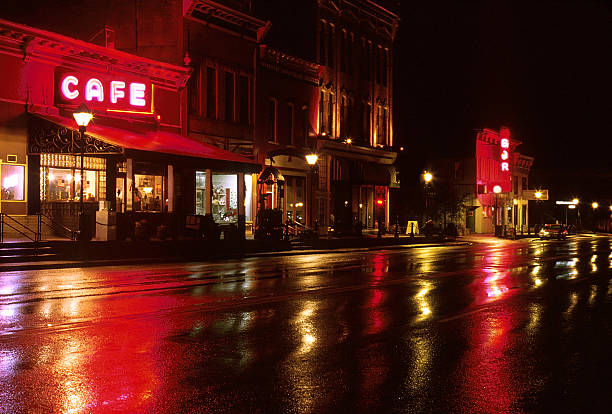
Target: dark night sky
[[542, 68]]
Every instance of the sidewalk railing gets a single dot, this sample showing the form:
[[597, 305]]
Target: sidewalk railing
[[56, 226], [11, 222]]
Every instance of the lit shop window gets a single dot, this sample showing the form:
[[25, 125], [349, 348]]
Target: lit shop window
[[148, 192], [225, 197], [295, 199], [13, 179], [60, 178], [200, 192]]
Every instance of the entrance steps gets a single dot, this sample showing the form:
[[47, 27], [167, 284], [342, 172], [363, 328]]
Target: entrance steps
[[30, 222], [23, 252]]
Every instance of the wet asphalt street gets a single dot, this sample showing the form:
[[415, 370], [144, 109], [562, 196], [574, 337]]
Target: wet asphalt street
[[495, 327]]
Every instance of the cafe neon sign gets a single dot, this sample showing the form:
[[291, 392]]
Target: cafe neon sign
[[106, 92]]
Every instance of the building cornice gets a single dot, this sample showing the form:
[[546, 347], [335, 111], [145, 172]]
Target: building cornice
[[290, 65], [30, 43], [227, 18], [379, 19]]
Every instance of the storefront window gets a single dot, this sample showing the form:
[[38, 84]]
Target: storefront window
[[200, 192], [60, 184], [295, 199], [225, 197], [60, 178], [148, 192], [13, 179], [248, 181]]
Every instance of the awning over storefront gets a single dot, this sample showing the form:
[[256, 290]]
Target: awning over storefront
[[154, 141], [361, 172]]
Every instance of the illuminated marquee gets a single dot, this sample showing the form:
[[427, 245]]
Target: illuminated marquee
[[504, 161], [107, 92]]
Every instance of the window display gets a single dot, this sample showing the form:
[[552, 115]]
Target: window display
[[148, 192], [200, 192], [13, 182], [60, 178], [225, 197]]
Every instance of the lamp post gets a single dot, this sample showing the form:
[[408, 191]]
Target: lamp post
[[82, 116], [311, 160], [427, 177]]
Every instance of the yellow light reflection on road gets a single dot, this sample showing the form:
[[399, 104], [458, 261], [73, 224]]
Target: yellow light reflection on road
[[422, 301], [306, 327]]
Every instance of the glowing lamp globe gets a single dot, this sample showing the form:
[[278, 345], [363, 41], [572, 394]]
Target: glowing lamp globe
[[497, 189], [82, 115], [311, 159], [427, 177], [595, 204], [538, 194]]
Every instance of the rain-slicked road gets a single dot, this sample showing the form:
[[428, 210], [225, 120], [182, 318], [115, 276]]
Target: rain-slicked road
[[495, 327]]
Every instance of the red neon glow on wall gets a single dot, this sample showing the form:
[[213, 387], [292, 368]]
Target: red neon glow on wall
[[103, 92]]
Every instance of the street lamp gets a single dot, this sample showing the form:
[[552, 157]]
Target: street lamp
[[427, 177], [595, 205], [311, 160], [82, 116]]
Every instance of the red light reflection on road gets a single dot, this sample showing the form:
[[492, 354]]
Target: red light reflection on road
[[376, 319]]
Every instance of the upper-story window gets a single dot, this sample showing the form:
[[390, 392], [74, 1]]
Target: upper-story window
[[290, 123], [344, 51], [244, 99], [385, 66], [326, 113], [377, 60], [331, 45], [272, 120], [229, 96], [367, 121], [368, 61], [306, 125], [322, 43], [211, 92], [194, 91]]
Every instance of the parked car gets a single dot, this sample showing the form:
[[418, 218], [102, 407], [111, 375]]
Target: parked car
[[553, 231]]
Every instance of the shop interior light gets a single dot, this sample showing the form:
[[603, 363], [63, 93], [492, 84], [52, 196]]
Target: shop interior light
[[51, 177], [77, 177], [147, 190], [69, 178], [10, 181], [299, 204], [572, 206], [497, 189]]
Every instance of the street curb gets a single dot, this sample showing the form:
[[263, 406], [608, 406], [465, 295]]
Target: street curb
[[140, 261]]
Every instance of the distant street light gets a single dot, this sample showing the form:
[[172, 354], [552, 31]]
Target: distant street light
[[538, 195], [427, 177], [595, 205]]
